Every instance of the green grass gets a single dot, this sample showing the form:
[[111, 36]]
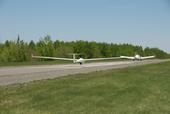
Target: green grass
[[5, 64], [139, 90]]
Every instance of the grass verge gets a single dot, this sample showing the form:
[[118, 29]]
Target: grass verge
[[139, 90], [52, 62]]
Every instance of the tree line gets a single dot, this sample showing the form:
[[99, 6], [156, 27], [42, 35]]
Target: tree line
[[19, 50]]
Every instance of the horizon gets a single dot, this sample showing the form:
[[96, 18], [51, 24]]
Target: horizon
[[15, 40], [144, 23]]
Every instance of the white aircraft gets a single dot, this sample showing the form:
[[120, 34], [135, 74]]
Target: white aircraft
[[80, 60], [137, 57]]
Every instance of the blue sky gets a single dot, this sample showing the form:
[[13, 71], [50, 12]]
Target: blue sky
[[140, 22]]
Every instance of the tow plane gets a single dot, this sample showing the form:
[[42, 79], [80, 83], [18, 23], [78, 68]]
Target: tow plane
[[137, 57]]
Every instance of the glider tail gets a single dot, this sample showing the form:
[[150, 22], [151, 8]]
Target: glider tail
[[74, 56]]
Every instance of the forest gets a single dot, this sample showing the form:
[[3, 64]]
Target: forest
[[20, 51]]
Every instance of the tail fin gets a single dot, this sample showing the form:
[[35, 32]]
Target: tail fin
[[32, 55], [74, 56]]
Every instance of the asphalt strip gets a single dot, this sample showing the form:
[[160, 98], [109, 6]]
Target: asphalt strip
[[14, 75]]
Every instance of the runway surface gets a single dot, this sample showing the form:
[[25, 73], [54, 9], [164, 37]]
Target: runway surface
[[13, 75]]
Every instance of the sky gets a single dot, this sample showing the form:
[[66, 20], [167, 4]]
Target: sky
[[138, 22]]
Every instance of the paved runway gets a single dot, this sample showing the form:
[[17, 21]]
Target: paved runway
[[13, 75]]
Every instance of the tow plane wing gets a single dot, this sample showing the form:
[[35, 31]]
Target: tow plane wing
[[148, 57]]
